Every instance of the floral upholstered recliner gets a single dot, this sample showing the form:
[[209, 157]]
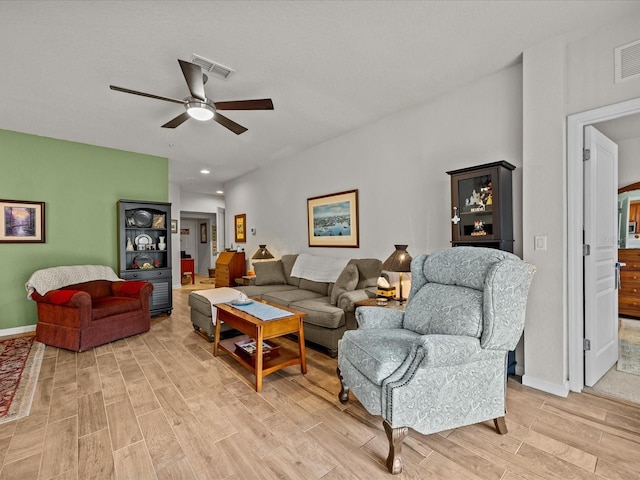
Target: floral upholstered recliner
[[442, 363]]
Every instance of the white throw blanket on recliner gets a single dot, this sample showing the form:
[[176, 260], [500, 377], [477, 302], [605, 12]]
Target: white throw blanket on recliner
[[317, 268], [47, 279]]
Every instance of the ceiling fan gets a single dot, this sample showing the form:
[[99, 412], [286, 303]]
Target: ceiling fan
[[198, 106]]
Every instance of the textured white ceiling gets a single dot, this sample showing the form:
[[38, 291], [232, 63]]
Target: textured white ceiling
[[330, 67]]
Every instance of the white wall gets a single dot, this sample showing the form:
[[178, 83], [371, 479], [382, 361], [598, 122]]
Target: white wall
[[399, 167], [192, 244], [174, 198], [561, 77], [544, 204], [208, 208], [629, 161], [198, 202]]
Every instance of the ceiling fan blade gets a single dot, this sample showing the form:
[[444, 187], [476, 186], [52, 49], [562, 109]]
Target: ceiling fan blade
[[230, 124], [157, 97], [193, 75], [179, 120], [262, 104]]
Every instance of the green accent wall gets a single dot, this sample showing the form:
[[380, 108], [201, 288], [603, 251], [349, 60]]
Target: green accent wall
[[80, 185]]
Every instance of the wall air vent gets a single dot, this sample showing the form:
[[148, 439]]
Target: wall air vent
[[209, 66], [627, 61]]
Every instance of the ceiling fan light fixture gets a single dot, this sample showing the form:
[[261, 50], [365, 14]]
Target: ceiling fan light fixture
[[200, 111]]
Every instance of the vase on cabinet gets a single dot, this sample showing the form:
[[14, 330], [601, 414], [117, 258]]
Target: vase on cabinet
[[161, 244]]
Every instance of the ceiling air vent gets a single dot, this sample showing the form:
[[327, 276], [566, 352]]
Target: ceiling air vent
[[209, 66], [627, 61]]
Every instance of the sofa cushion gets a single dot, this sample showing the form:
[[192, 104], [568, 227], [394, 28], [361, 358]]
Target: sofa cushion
[[287, 266], [319, 287], [269, 273], [288, 297], [320, 312], [95, 288], [59, 297], [369, 270], [108, 306], [346, 282], [131, 287], [253, 291]]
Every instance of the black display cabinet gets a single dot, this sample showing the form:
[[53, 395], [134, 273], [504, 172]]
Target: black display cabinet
[[144, 248]]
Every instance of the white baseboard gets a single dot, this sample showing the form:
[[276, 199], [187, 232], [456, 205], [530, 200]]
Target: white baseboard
[[7, 332], [549, 387]]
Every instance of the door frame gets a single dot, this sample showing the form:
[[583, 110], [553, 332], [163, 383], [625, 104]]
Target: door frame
[[575, 214]]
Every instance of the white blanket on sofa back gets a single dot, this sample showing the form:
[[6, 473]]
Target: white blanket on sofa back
[[318, 268], [53, 278]]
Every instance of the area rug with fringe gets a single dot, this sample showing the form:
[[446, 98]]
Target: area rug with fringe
[[20, 361], [629, 346]]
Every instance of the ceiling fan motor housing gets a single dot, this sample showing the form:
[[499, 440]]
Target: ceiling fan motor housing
[[199, 110]]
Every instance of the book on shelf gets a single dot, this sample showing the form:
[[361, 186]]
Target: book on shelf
[[249, 346]]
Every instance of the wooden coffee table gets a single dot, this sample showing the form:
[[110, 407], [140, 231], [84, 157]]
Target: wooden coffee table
[[260, 330]]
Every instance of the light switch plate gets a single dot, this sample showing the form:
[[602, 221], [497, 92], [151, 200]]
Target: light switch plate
[[540, 242]]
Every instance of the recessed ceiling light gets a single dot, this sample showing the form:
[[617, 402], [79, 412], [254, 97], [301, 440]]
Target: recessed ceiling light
[[219, 192], [205, 171]]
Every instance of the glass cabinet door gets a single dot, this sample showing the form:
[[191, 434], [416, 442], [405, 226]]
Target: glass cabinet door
[[481, 202], [475, 198]]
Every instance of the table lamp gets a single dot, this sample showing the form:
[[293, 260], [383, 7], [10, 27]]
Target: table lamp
[[399, 261], [262, 253]]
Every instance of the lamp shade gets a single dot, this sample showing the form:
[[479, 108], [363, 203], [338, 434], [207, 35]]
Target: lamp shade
[[398, 261], [262, 253]]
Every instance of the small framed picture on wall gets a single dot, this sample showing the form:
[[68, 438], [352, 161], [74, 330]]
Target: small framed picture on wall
[[240, 228], [21, 221]]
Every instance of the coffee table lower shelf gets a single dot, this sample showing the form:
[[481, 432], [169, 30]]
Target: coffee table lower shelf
[[271, 361]]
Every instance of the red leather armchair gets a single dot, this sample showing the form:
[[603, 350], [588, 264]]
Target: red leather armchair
[[81, 316]]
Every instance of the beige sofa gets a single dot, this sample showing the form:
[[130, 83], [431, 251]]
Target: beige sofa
[[329, 306]]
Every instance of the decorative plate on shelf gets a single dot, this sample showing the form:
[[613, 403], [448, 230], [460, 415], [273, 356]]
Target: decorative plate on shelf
[[242, 302], [143, 261], [142, 218], [143, 239]]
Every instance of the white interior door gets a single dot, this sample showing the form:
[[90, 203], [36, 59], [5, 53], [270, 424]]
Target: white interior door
[[600, 266]]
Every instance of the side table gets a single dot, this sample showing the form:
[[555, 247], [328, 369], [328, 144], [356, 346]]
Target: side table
[[245, 280], [187, 266], [372, 302]]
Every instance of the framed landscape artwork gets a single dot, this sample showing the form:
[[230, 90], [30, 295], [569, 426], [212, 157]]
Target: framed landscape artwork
[[241, 228], [21, 222], [333, 220]]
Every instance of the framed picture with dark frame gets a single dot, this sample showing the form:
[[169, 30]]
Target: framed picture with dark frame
[[203, 233], [22, 222], [174, 226], [333, 220], [240, 229], [632, 228]]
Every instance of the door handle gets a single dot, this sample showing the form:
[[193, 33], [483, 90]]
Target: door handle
[[618, 266]]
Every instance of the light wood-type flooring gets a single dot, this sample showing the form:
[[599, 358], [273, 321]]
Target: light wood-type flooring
[[160, 406]]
